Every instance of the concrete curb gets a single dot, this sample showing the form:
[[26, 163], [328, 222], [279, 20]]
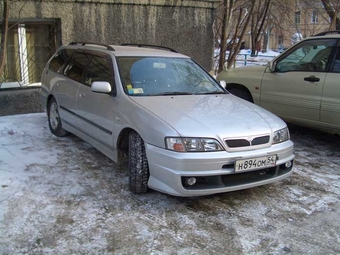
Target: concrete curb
[[20, 101]]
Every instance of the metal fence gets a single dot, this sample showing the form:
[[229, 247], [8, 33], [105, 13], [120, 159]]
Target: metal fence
[[247, 59]]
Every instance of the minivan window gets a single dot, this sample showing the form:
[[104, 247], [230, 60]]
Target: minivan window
[[59, 59], [75, 68]]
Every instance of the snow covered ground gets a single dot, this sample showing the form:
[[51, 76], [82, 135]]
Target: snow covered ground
[[61, 196]]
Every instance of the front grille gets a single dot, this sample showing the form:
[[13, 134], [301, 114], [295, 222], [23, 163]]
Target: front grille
[[260, 140], [236, 143]]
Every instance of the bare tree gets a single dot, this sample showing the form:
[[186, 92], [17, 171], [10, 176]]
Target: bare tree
[[241, 28], [228, 6], [259, 23], [283, 19], [332, 7], [234, 23], [290, 20]]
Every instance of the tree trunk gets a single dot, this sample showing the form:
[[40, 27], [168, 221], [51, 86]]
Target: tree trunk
[[4, 31], [228, 4], [333, 15], [337, 23], [223, 39], [258, 25], [232, 55]]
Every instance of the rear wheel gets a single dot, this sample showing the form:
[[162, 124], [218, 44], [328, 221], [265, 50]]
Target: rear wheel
[[138, 164], [241, 93], [54, 120]]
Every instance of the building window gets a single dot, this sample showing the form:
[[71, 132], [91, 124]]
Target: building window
[[280, 41], [315, 18], [29, 46], [297, 17]]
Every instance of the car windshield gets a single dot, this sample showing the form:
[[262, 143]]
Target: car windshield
[[157, 76]]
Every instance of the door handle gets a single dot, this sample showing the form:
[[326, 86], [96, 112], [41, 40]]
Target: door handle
[[312, 78]]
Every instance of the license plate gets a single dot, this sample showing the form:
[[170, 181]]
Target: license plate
[[255, 163]]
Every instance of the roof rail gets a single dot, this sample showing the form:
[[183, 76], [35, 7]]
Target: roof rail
[[149, 46], [328, 32], [92, 43]]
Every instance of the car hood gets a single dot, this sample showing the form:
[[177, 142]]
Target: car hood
[[253, 72], [218, 116]]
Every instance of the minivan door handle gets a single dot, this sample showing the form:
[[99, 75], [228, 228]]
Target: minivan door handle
[[312, 78]]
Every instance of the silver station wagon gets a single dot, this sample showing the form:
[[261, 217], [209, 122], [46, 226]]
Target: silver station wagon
[[178, 129]]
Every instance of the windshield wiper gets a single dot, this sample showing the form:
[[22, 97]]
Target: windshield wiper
[[213, 92]]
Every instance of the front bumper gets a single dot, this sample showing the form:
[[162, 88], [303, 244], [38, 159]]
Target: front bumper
[[214, 171]]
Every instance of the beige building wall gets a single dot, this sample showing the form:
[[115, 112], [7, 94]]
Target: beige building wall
[[306, 19]]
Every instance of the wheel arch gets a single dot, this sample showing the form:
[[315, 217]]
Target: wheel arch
[[240, 87], [123, 145], [48, 100]]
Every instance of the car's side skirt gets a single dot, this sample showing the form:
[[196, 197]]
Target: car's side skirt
[[106, 150]]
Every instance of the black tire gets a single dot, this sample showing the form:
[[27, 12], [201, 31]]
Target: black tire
[[138, 164], [241, 93], [54, 121]]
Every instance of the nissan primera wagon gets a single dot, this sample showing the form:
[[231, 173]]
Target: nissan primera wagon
[[181, 132]]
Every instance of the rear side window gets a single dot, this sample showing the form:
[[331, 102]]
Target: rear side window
[[60, 59], [100, 69], [75, 68]]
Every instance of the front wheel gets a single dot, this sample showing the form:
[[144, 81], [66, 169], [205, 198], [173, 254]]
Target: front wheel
[[54, 120], [138, 164]]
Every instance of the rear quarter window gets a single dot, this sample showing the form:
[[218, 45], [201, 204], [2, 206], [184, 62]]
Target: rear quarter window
[[59, 59], [76, 66]]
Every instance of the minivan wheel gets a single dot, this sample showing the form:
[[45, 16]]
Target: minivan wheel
[[138, 164], [54, 120], [241, 93]]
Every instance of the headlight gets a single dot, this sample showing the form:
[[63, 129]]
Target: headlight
[[192, 144], [281, 135]]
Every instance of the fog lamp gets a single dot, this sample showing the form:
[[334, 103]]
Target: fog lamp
[[288, 164], [191, 181]]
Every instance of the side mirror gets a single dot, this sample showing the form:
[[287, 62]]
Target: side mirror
[[101, 87], [272, 66], [223, 84]]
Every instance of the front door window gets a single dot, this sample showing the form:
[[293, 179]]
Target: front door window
[[309, 56]]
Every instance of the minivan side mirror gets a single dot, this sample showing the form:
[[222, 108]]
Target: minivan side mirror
[[223, 84], [101, 87], [272, 66]]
